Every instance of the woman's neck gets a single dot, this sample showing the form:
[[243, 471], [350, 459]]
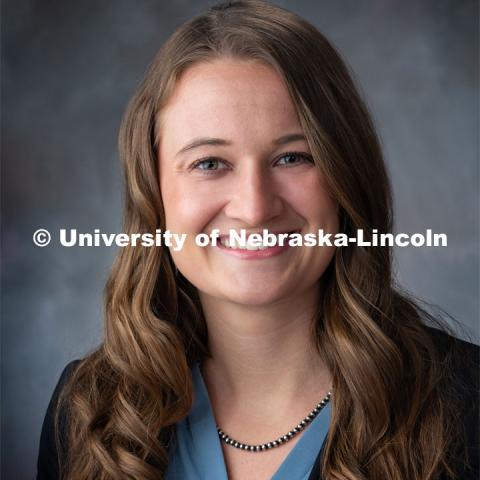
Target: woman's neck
[[263, 355]]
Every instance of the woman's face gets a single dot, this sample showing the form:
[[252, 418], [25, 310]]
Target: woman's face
[[252, 181]]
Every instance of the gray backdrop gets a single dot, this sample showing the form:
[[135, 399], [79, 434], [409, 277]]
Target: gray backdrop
[[68, 69]]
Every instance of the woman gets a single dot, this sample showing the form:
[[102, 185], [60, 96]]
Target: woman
[[248, 119]]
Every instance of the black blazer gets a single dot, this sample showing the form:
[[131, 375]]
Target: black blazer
[[466, 366]]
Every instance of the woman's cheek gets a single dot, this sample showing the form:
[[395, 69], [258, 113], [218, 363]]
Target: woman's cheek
[[193, 211]]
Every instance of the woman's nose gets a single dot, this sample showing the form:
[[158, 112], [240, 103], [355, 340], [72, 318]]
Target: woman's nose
[[255, 198]]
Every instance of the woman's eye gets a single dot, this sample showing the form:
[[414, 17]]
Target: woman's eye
[[212, 165], [208, 165], [293, 158]]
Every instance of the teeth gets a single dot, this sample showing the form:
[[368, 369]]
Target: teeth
[[237, 245], [225, 241]]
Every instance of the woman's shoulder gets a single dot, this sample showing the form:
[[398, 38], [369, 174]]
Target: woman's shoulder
[[447, 339], [48, 455], [461, 362], [464, 356]]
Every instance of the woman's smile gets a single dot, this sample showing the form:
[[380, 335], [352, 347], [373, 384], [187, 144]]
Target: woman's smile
[[253, 253], [248, 249]]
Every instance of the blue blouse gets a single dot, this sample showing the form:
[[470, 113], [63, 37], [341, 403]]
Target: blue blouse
[[196, 452]]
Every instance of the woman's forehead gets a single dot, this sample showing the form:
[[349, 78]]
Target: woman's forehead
[[232, 73], [228, 97]]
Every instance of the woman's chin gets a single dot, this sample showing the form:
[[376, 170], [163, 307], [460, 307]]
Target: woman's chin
[[249, 295]]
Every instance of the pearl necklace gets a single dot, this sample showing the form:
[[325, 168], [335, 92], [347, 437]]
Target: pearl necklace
[[280, 440]]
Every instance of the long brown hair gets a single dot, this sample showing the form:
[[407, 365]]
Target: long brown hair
[[391, 411]]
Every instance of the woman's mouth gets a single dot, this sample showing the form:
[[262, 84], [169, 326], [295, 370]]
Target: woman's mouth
[[256, 246]]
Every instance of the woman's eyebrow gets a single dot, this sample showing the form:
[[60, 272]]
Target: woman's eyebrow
[[198, 142]]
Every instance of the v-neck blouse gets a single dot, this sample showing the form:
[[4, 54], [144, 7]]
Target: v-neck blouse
[[196, 453]]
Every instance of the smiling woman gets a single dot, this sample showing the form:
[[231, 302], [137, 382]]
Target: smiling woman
[[283, 363]]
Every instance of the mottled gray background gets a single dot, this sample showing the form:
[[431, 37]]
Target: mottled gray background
[[68, 69]]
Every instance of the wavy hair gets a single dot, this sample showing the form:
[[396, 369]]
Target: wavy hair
[[392, 412]]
